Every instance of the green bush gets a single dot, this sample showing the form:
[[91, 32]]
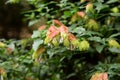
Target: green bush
[[77, 41]]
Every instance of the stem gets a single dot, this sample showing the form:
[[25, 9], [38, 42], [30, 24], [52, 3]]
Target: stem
[[102, 16], [29, 11], [1, 78]]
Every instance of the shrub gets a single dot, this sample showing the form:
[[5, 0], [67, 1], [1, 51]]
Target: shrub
[[78, 41]]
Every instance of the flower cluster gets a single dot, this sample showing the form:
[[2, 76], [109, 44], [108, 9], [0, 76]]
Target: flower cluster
[[113, 43], [78, 16], [60, 34], [3, 72], [90, 23], [100, 76]]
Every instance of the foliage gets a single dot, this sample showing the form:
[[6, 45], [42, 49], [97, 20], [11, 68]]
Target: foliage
[[78, 41]]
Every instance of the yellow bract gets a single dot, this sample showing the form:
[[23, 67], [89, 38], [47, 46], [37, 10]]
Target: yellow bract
[[2, 44], [47, 40], [55, 42], [38, 52], [92, 25], [66, 42], [84, 45], [113, 43], [115, 10], [89, 7]]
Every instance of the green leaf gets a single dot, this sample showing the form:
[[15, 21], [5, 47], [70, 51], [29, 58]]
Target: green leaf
[[114, 35], [115, 14], [36, 34], [111, 1], [100, 6], [96, 39], [37, 43], [114, 66], [100, 0], [99, 48], [54, 51], [114, 50], [32, 22], [51, 52], [78, 30], [13, 1], [90, 33], [70, 75], [67, 14]]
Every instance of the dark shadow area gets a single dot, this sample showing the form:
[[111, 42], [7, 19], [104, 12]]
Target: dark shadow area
[[11, 24]]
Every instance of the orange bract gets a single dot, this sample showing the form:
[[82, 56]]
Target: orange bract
[[58, 22], [41, 50], [71, 37], [63, 29], [81, 14], [42, 27], [100, 76], [2, 71], [52, 31], [89, 7]]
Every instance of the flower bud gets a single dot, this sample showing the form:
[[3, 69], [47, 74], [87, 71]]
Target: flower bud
[[66, 42], [73, 40], [75, 43], [92, 25], [47, 40], [84, 45], [82, 1], [81, 14], [63, 35], [74, 18], [42, 27], [113, 43], [55, 42], [115, 10], [89, 7]]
